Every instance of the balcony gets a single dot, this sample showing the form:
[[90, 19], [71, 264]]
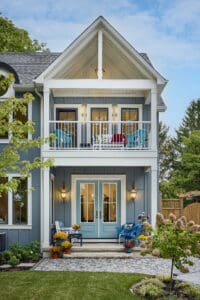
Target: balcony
[[100, 135]]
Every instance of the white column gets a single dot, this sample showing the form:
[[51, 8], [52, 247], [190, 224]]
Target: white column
[[45, 226], [154, 119], [154, 195], [46, 115], [100, 54], [10, 205]]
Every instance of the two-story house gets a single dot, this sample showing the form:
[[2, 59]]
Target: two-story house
[[101, 99]]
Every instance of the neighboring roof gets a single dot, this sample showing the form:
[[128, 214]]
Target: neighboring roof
[[27, 65]]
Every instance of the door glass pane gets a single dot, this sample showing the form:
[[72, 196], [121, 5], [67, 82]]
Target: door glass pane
[[70, 127], [132, 115], [99, 114], [3, 204], [87, 192], [109, 202], [20, 203]]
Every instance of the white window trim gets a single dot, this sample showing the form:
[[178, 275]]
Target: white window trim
[[10, 225], [75, 178], [139, 106], [68, 106], [90, 106]]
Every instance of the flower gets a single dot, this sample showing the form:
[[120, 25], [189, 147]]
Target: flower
[[129, 244], [60, 235], [66, 245], [55, 249], [76, 226], [142, 237]]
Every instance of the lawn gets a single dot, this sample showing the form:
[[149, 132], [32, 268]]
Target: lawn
[[66, 285]]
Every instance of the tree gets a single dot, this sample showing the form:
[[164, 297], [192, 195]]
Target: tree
[[14, 156], [184, 167], [166, 156], [175, 239], [14, 39], [188, 175]]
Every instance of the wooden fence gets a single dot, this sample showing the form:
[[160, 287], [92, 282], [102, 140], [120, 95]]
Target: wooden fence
[[175, 206]]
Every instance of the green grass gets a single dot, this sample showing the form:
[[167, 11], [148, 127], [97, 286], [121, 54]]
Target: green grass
[[66, 285]]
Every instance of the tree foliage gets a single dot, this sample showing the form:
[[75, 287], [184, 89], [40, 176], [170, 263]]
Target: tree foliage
[[14, 156], [175, 239], [14, 39], [184, 160]]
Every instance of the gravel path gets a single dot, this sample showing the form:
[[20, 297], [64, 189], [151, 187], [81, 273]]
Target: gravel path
[[146, 265]]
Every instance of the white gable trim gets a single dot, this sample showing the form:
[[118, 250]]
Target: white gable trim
[[84, 38]]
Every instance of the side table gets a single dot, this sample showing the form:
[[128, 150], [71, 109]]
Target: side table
[[77, 236]]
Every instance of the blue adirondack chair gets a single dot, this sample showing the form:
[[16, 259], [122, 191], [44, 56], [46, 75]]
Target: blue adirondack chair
[[129, 231], [63, 139], [137, 138]]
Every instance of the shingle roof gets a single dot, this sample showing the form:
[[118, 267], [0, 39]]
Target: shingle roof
[[29, 65]]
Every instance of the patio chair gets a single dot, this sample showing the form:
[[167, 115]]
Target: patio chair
[[60, 227], [125, 231], [137, 138], [130, 231], [63, 139]]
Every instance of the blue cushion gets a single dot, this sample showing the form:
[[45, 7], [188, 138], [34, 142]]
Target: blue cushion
[[63, 139]]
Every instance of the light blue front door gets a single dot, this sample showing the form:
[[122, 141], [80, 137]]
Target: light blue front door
[[98, 207]]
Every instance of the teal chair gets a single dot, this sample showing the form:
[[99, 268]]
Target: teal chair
[[63, 139], [137, 139]]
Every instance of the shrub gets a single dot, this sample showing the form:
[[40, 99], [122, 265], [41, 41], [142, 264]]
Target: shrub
[[13, 261], [175, 240]]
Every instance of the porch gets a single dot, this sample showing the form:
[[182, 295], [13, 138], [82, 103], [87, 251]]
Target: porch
[[98, 198], [100, 135]]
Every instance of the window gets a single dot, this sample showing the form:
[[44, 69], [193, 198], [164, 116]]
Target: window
[[15, 207], [3, 205]]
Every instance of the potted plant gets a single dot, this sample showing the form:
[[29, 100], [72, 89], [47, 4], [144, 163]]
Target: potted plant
[[55, 251], [66, 246], [76, 227], [59, 237], [128, 246]]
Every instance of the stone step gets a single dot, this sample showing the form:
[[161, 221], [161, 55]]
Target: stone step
[[134, 254]]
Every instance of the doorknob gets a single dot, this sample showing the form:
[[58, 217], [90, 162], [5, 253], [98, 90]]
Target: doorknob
[[96, 214], [100, 215]]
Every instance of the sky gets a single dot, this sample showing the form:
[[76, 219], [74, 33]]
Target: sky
[[167, 30]]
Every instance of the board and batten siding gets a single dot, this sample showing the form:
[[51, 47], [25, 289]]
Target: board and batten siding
[[62, 210]]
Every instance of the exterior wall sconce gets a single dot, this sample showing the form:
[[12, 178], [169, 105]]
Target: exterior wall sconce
[[63, 192], [133, 192]]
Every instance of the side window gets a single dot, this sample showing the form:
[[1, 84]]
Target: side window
[[3, 204], [18, 207]]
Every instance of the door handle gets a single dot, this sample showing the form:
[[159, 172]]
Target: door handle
[[96, 214], [100, 215]]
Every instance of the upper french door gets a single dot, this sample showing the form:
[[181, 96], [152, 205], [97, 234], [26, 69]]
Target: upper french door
[[68, 114]]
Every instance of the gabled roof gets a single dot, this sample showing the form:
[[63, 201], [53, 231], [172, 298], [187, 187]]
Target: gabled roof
[[27, 65], [102, 23]]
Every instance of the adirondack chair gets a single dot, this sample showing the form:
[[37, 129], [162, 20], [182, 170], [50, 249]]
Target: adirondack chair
[[137, 138], [63, 139], [129, 231]]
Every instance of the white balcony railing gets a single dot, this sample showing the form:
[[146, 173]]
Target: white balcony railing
[[100, 135]]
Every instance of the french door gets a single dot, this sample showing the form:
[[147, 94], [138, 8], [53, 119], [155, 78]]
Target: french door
[[98, 207]]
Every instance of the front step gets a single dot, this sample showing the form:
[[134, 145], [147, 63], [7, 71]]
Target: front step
[[105, 250]]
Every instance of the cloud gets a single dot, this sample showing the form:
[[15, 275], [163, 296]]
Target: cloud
[[168, 31]]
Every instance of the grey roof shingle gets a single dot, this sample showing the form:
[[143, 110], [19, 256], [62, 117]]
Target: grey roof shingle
[[29, 65]]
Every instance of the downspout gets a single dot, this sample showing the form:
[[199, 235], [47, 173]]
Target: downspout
[[41, 172]]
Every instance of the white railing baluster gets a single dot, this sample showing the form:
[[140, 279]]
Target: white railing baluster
[[101, 135]]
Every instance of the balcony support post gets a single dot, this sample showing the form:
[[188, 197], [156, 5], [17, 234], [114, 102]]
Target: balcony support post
[[46, 115]]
